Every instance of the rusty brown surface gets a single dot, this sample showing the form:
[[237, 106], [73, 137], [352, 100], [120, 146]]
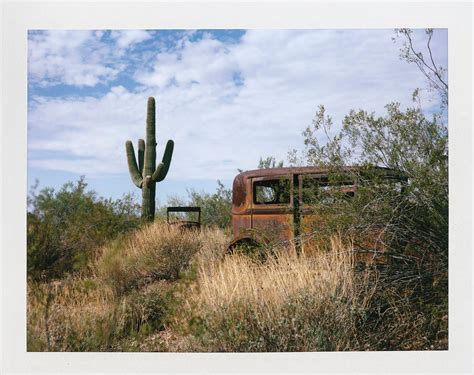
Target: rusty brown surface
[[281, 221], [274, 226], [240, 224], [268, 172]]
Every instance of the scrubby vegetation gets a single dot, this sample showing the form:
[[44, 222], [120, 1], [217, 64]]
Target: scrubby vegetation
[[314, 302], [155, 252], [67, 226], [414, 216], [127, 294], [136, 297]]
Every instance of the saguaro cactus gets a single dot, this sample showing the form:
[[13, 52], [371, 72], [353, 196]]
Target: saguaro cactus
[[146, 174]]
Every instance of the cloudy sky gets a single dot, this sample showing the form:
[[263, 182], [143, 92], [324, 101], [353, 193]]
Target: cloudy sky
[[226, 97]]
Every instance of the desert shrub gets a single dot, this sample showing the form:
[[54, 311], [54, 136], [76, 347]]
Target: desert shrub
[[65, 227], [144, 311], [315, 302], [215, 208], [405, 141], [128, 300], [371, 217], [155, 252], [86, 315], [414, 219]]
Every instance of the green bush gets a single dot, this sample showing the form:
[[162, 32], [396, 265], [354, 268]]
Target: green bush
[[67, 226], [413, 217], [216, 208], [405, 141]]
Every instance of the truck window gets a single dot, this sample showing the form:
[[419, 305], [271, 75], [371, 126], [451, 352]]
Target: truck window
[[309, 190], [275, 191], [318, 189]]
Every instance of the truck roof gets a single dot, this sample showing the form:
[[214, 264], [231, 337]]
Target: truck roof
[[265, 172]]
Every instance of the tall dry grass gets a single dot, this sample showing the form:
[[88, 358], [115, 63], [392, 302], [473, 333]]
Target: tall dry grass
[[287, 303], [239, 279], [124, 297], [68, 315], [315, 301], [161, 289], [155, 252]]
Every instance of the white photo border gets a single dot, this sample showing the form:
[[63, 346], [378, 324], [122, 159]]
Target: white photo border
[[19, 17]]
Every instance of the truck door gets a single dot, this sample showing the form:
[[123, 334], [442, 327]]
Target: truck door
[[272, 207], [317, 192]]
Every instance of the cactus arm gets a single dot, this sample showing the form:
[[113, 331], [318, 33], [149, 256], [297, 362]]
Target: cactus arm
[[141, 155], [132, 165], [162, 168]]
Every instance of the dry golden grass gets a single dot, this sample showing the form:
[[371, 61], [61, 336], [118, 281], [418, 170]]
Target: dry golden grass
[[134, 300], [316, 301], [125, 295], [64, 310], [238, 279], [156, 251], [241, 304]]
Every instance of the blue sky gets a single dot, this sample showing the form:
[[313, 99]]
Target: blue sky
[[226, 97]]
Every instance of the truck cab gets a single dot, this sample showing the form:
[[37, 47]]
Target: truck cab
[[279, 204]]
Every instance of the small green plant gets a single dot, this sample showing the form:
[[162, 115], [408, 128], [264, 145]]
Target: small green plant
[[146, 174]]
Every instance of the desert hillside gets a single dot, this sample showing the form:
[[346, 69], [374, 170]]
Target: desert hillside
[[161, 289]]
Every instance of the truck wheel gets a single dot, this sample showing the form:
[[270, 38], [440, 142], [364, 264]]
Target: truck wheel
[[250, 248]]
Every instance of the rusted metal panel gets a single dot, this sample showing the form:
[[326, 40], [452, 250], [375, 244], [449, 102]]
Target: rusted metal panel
[[240, 224], [274, 226], [294, 217]]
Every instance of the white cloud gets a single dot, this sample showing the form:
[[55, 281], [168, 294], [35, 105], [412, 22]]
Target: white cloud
[[85, 128], [127, 38], [205, 62], [69, 57], [219, 124]]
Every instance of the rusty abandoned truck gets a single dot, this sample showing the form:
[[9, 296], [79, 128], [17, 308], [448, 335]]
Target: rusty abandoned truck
[[281, 201]]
